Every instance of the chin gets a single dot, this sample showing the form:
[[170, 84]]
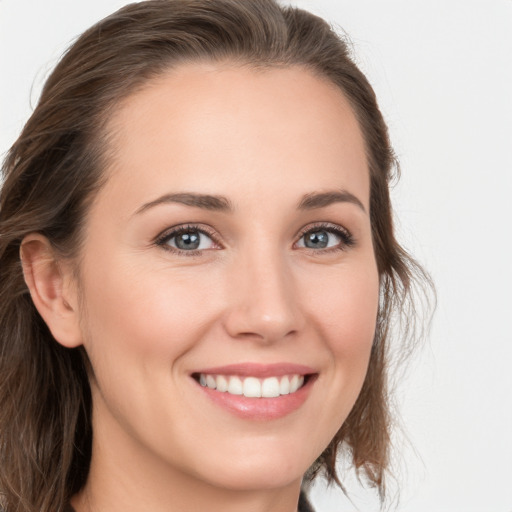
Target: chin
[[257, 469], [275, 475]]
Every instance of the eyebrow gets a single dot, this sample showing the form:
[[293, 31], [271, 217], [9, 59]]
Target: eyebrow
[[323, 199], [204, 201], [223, 204]]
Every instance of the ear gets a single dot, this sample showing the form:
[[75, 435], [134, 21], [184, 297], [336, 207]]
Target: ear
[[53, 289]]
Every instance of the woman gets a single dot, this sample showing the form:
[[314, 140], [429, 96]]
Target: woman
[[198, 267]]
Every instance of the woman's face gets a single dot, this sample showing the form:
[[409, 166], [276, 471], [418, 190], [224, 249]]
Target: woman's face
[[230, 248]]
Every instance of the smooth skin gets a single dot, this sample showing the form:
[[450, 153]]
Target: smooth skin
[[252, 285]]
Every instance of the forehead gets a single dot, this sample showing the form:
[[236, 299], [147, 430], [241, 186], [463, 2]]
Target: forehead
[[221, 128]]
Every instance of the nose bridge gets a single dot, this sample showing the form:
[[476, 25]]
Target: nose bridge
[[264, 303]]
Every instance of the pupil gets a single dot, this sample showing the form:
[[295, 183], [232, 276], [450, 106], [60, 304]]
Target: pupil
[[317, 239], [188, 241]]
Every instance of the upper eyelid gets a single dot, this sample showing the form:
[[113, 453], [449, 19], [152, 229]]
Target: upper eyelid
[[323, 225]]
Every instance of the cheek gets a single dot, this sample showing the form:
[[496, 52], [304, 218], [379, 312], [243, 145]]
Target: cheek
[[346, 316], [140, 326], [139, 315], [348, 308]]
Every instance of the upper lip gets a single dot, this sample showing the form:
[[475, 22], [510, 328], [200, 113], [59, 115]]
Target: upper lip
[[258, 370]]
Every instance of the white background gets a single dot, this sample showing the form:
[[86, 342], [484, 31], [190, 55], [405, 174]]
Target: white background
[[442, 71]]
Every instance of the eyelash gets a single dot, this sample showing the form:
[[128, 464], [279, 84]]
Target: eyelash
[[163, 239], [347, 239]]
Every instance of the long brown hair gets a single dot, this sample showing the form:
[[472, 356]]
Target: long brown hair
[[52, 172]]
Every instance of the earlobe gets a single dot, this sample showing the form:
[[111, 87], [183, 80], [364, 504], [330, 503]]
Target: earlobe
[[50, 283]]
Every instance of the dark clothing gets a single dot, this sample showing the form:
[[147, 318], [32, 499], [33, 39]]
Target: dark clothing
[[304, 505]]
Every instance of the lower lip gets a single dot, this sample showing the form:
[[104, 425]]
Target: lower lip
[[260, 409]]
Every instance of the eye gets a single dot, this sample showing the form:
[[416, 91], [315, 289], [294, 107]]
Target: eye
[[319, 239], [186, 239], [325, 237]]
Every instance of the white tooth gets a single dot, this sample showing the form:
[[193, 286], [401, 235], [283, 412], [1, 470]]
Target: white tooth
[[301, 381], [284, 386], [294, 383], [210, 381], [202, 379], [252, 387], [235, 386], [270, 387], [222, 383]]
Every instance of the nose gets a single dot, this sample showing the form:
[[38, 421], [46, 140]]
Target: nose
[[263, 304]]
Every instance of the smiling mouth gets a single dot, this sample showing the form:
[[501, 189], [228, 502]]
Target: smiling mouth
[[253, 387]]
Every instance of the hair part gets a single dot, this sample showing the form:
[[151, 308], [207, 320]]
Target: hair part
[[53, 172]]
